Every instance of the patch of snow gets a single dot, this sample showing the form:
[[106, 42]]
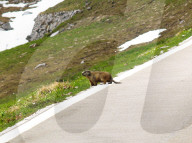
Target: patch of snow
[[54, 34], [22, 25], [146, 37], [3, 2]]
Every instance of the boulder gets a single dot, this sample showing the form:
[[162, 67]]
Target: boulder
[[6, 26]]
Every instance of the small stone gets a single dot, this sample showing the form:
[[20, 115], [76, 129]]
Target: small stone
[[87, 3], [27, 13], [28, 38], [69, 93], [33, 45], [89, 8], [6, 26], [40, 65], [82, 62], [162, 52]]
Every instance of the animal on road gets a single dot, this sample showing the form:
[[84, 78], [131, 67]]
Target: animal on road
[[98, 76]]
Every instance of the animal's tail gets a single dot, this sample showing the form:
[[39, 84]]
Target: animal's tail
[[116, 82]]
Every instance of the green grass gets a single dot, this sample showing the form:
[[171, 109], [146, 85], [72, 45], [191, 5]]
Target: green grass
[[15, 110], [175, 2]]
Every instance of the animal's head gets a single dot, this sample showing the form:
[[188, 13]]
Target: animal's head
[[86, 73]]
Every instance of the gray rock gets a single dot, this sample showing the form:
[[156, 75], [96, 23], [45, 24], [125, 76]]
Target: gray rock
[[40, 65], [87, 3], [26, 13], [89, 8], [182, 21], [62, 30], [33, 45], [70, 26], [28, 38], [82, 62], [6, 26], [46, 23]]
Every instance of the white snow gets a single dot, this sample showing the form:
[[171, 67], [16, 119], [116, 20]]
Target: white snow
[[146, 37], [2, 29], [54, 34], [22, 24], [4, 3]]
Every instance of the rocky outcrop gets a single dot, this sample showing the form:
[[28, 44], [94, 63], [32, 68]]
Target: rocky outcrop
[[5, 26], [46, 23]]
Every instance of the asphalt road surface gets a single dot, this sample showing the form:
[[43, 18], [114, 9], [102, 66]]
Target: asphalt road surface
[[152, 106]]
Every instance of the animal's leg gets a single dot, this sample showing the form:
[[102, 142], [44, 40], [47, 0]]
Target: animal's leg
[[95, 83], [92, 84], [110, 82]]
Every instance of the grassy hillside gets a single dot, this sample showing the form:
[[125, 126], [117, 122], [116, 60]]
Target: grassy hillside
[[91, 44]]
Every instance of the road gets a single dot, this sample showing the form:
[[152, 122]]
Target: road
[[152, 106]]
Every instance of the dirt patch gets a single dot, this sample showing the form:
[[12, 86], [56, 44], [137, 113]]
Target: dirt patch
[[9, 84], [7, 9], [176, 17]]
